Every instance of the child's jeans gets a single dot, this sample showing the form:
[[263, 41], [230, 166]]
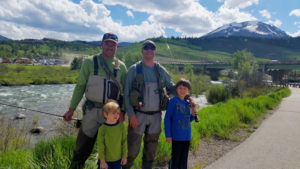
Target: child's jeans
[[180, 153], [112, 165]]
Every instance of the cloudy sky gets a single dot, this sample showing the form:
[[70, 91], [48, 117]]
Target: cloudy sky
[[136, 20]]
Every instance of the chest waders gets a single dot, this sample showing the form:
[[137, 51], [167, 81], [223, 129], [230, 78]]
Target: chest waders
[[101, 89], [138, 87]]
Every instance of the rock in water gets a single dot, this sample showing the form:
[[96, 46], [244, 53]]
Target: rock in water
[[19, 116], [37, 130]]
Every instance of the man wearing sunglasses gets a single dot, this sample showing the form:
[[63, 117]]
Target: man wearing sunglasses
[[101, 79], [145, 96]]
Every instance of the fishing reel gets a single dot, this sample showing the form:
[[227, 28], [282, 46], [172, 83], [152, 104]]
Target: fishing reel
[[77, 123]]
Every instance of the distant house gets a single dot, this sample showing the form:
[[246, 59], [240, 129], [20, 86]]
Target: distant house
[[5, 60], [23, 61]]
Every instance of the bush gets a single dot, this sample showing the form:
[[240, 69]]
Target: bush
[[217, 93]]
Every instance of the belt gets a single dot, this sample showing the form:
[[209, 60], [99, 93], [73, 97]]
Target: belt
[[148, 112]]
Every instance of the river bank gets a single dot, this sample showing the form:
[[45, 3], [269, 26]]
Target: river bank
[[16, 75]]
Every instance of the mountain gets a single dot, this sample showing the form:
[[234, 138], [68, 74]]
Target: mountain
[[248, 29], [3, 38]]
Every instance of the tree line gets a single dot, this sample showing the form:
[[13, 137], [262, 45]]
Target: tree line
[[38, 49]]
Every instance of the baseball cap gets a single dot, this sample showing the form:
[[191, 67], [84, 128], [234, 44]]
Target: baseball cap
[[149, 43], [110, 37]]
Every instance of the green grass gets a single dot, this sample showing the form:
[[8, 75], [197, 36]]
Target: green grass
[[40, 74], [220, 120]]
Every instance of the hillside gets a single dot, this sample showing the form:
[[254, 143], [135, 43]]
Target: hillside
[[219, 49], [183, 49]]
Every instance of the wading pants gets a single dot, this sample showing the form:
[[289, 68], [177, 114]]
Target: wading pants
[[86, 137], [150, 125], [84, 147]]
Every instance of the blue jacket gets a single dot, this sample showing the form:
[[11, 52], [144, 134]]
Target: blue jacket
[[178, 120]]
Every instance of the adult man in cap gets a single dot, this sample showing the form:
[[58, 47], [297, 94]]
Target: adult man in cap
[[145, 97], [97, 76]]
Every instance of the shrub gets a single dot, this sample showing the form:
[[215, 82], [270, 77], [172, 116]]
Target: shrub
[[217, 93]]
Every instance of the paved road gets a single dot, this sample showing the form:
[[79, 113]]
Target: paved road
[[275, 144]]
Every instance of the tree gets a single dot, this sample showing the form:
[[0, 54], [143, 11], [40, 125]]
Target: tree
[[248, 75], [76, 63], [189, 70]]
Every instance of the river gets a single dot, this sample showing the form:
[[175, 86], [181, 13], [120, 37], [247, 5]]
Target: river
[[52, 99]]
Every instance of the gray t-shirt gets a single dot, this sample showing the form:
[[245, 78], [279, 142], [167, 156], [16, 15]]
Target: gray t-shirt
[[151, 88]]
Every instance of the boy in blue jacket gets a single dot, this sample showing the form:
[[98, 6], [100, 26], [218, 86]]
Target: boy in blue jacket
[[178, 125]]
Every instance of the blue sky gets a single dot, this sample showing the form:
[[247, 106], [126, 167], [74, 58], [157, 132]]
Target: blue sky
[[136, 20]]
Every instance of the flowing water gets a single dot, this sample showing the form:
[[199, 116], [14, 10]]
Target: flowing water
[[52, 99]]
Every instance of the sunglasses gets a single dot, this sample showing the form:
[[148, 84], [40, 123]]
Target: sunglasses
[[149, 47], [110, 36]]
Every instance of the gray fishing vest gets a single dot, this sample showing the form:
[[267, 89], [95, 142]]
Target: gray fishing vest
[[101, 89]]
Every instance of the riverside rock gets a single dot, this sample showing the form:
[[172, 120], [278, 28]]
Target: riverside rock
[[19, 116], [37, 130]]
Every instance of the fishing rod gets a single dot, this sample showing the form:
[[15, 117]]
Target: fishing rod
[[19, 107]]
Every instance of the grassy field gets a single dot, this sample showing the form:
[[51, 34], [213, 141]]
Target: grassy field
[[15, 74], [220, 120]]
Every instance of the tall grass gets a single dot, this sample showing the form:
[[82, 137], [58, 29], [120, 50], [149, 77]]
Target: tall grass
[[39, 74]]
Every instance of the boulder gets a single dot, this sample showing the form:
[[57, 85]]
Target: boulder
[[19, 116], [37, 130]]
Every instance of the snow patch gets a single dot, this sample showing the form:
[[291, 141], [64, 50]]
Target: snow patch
[[253, 28]]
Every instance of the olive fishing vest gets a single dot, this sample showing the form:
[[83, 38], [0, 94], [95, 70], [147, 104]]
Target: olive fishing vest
[[142, 95], [101, 89]]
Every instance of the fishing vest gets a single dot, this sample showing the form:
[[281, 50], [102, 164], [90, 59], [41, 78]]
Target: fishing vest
[[137, 93], [101, 89]]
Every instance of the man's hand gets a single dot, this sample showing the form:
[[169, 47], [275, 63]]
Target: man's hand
[[169, 140], [134, 122], [68, 115], [124, 161], [122, 117]]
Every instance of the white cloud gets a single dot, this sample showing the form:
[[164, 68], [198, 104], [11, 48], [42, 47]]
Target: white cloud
[[129, 13], [265, 14], [276, 23], [188, 16], [295, 12], [225, 15], [238, 3], [63, 19]]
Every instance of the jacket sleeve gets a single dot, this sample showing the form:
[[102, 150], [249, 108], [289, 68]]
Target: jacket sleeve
[[81, 84], [168, 81], [168, 118]]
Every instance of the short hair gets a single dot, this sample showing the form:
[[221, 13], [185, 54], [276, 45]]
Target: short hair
[[110, 106], [184, 82]]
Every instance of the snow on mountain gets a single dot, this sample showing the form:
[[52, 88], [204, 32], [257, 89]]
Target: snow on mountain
[[248, 29]]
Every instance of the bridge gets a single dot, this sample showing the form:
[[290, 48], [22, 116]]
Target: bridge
[[276, 69]]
